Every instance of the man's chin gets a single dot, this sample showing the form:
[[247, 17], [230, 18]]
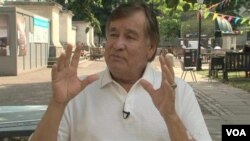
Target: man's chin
[[117, 66], [116, 59]]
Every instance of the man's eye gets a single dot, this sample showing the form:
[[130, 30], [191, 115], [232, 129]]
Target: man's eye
[[131, 37], [113, 35]]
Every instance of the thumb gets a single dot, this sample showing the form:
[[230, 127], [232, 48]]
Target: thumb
[[147, 86], [89, 79]]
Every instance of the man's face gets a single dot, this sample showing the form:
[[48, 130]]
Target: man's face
[[128, 48]]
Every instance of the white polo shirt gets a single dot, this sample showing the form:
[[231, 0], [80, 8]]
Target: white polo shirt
[[96, 113]]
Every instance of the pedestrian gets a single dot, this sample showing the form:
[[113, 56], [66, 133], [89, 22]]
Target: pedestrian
[[129, 100]]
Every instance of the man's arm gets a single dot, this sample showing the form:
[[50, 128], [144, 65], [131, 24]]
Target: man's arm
[[47, 129], [65, 85], [164, 100], [177, 130]]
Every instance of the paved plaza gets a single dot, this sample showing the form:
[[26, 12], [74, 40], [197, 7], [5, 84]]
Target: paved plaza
[[220, 103]]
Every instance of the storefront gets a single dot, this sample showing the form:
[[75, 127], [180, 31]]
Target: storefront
[[24, 41]]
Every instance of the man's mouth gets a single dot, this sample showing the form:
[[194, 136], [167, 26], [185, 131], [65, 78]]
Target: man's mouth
[[116, 56]]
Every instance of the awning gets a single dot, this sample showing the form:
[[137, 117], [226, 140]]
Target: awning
[[224, 25]]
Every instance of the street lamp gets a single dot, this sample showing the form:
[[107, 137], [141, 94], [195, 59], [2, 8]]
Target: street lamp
[[198, 58]]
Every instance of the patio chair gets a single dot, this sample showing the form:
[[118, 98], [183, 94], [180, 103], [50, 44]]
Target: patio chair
[[187, 69]]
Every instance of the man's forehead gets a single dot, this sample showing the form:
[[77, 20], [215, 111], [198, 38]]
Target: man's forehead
[[128, 30], [136, 15], [130, 23]]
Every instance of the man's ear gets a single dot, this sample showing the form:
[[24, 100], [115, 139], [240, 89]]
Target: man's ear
[[151, 51]]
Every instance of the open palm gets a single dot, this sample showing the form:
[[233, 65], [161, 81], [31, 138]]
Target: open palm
[[164, 97], [65, 82]]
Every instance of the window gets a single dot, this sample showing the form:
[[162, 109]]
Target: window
[[4, 33]]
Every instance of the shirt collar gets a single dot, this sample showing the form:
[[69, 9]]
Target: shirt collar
[[105, 78], [148, 75]]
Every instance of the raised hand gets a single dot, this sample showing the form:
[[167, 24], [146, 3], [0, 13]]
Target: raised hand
[[164, 97], [65, 82]]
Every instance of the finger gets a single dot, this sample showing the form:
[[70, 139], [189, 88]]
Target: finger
[[162, 65], [76, 57], [147, 86], [54, 72], [68, 55], [165, 70], [168, 86], [166, 73], [88, 80], [60, 62], [169, 63]]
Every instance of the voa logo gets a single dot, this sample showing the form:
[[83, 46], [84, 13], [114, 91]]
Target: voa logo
[[236, 132]]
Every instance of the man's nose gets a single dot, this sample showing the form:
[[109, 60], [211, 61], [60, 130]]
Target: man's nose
[[119, 43]]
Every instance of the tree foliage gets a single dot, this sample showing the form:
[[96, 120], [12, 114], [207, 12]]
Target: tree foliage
[[167, 11], [83, 10], [97, 11], [225, 6], [170, 26], [190, 25]]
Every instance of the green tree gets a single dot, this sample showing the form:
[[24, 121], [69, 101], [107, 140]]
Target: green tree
[[169, 23], [94, 11], [225, 6], [82, 10], [97, 11], [170, 26], [190, 25], [102, 12]]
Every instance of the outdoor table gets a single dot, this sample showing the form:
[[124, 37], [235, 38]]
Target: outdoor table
[[205, 57], [20, 121]]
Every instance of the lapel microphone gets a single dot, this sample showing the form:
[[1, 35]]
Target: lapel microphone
[[125, 113]]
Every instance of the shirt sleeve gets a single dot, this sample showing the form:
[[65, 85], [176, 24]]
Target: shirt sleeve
[[190, 112]]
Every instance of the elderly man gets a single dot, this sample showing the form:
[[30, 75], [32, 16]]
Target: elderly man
[[129, 101]]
